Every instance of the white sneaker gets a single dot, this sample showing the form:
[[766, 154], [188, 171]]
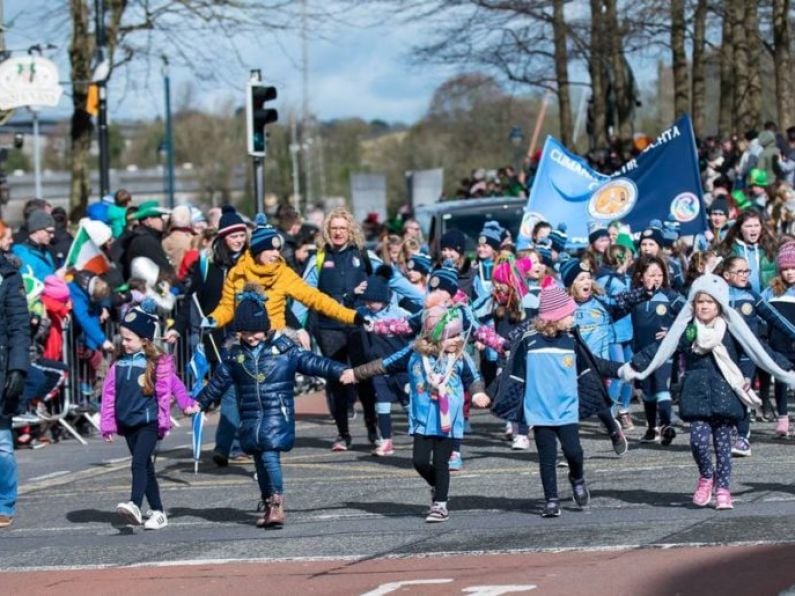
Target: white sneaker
[[521, 443], [130, 513], [156, 522]]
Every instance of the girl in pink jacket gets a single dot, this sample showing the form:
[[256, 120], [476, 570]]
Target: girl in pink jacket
[[136, 404]]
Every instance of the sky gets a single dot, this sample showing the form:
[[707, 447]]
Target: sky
[[354, 71]]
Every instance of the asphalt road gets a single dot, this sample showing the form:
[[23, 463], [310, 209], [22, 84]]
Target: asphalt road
[[358, 508]]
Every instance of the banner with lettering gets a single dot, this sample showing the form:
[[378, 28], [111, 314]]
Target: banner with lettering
[[663, 183]]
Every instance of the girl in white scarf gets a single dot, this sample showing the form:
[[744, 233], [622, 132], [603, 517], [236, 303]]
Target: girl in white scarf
[[714, 391]]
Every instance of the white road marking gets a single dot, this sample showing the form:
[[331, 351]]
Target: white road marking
[[390, 587], [50, 475], [497, 590]]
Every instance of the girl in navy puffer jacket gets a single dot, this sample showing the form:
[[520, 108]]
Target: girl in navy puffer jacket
[[262, 368]]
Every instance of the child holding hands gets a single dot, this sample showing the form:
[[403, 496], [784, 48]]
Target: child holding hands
[[136, 404], [262, 368]]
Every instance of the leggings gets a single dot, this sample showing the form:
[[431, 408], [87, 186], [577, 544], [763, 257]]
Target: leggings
[[430, 456], [659, 403], [546, 438], [141, 441], [780, 391], [269, 473], [721, 433]]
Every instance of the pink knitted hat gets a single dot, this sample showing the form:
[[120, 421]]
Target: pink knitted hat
[[786, 256], [56, 288], [524, 265], [554, 303]]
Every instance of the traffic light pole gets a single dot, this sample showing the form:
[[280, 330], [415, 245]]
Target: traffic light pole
[[259, 184]]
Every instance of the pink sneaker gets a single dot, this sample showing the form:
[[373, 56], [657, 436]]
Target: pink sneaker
[[723, 499], [703, 494], [384, 448], [782, 426]]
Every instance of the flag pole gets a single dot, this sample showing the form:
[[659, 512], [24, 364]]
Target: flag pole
[[539, 121], [212, 339]]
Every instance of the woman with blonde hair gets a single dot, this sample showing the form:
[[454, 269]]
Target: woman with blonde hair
[[340, 269]]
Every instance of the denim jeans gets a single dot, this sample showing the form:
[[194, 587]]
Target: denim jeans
[[269, 473], [226, 441], [619, 391], [8, 469]]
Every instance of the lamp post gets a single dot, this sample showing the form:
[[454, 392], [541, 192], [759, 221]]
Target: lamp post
[[516, 137], [101, 74], [169, 137]]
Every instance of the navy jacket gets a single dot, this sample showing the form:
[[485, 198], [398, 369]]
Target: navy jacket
[[264, 381], [14, 324]]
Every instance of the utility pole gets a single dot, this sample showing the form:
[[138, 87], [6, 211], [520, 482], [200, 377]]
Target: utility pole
[[102, 132], [294, 149], [306, 136], [169, 136]]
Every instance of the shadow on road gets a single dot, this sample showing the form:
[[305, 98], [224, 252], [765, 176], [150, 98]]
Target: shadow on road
[[461, 503], [215, 514]]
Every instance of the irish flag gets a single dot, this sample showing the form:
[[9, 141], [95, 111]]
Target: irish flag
[[85, 253]]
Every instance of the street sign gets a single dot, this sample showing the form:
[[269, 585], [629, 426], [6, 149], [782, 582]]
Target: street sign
[[29, 81]]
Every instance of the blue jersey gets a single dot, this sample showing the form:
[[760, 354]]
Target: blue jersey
[[653, 316], [550, 396], [613, 284]]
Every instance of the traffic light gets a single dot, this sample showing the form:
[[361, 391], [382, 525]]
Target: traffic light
[[258, 116]]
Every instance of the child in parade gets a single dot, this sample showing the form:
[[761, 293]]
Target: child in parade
[[613, 277], [439, 372], [652, 244], [710, 335], [378, 307], [718, 212], [136, 404], [758, 314], [262, 368], [650, 322], [781, 296], [551, 374], [418, 266]]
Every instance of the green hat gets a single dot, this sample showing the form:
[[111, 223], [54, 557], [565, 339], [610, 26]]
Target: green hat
[[150, 209], [625, 240], [757, 177], [740, 200]]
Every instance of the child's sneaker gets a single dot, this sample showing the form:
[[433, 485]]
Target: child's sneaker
[[667, 434], [723, 499], [620, 443], [741, 448], [342, 443], [157, 521], [625, 420], [384, 448], [582, 497], [508, 431], [437, 514], [652, 435], [782, 426], [456, 462], [703, 494], [551, 509], [520, 443], [130, 513]]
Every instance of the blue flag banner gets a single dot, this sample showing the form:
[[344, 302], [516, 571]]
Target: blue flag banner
[[198, 429], [663, 183], [199, 367]]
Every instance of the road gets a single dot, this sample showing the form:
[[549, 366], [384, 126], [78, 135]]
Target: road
[[355, 522]]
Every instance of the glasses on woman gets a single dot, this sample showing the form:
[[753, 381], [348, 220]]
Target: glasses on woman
[[740, 272]]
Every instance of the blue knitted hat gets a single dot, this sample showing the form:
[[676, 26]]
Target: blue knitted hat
[[377, 289], [250, 313], [444, 278], [419, 262], [491, 234], [570, 269], [264, 237], [142, 320], [558, 238], [544, 251]]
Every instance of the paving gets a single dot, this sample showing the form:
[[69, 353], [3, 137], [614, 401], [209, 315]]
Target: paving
[[355, 508]]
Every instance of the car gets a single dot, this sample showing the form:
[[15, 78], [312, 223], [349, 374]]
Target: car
[[468, 216]]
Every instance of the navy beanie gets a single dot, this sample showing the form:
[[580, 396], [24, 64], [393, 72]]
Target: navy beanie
[[377, 289], [250, 314], [444, 278], [491, 234], [570, 269], [142, 320], [230, 222], [419, 262], [653, 233], [597, 231], [454, 239], [719, 204], [264, 236]]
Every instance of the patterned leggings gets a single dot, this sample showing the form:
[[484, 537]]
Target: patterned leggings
[[721, 434]]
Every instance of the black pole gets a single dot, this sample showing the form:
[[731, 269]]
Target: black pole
[[259, 194], [102, 120], [169, 137]]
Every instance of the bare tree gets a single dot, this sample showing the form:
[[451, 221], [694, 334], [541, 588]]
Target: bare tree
[[751, 22], [743, 117], [597, 68], [726, 109], [679, 58], [81, 50], [699, 79], [619, 70], [782, 61], [562, 72]]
